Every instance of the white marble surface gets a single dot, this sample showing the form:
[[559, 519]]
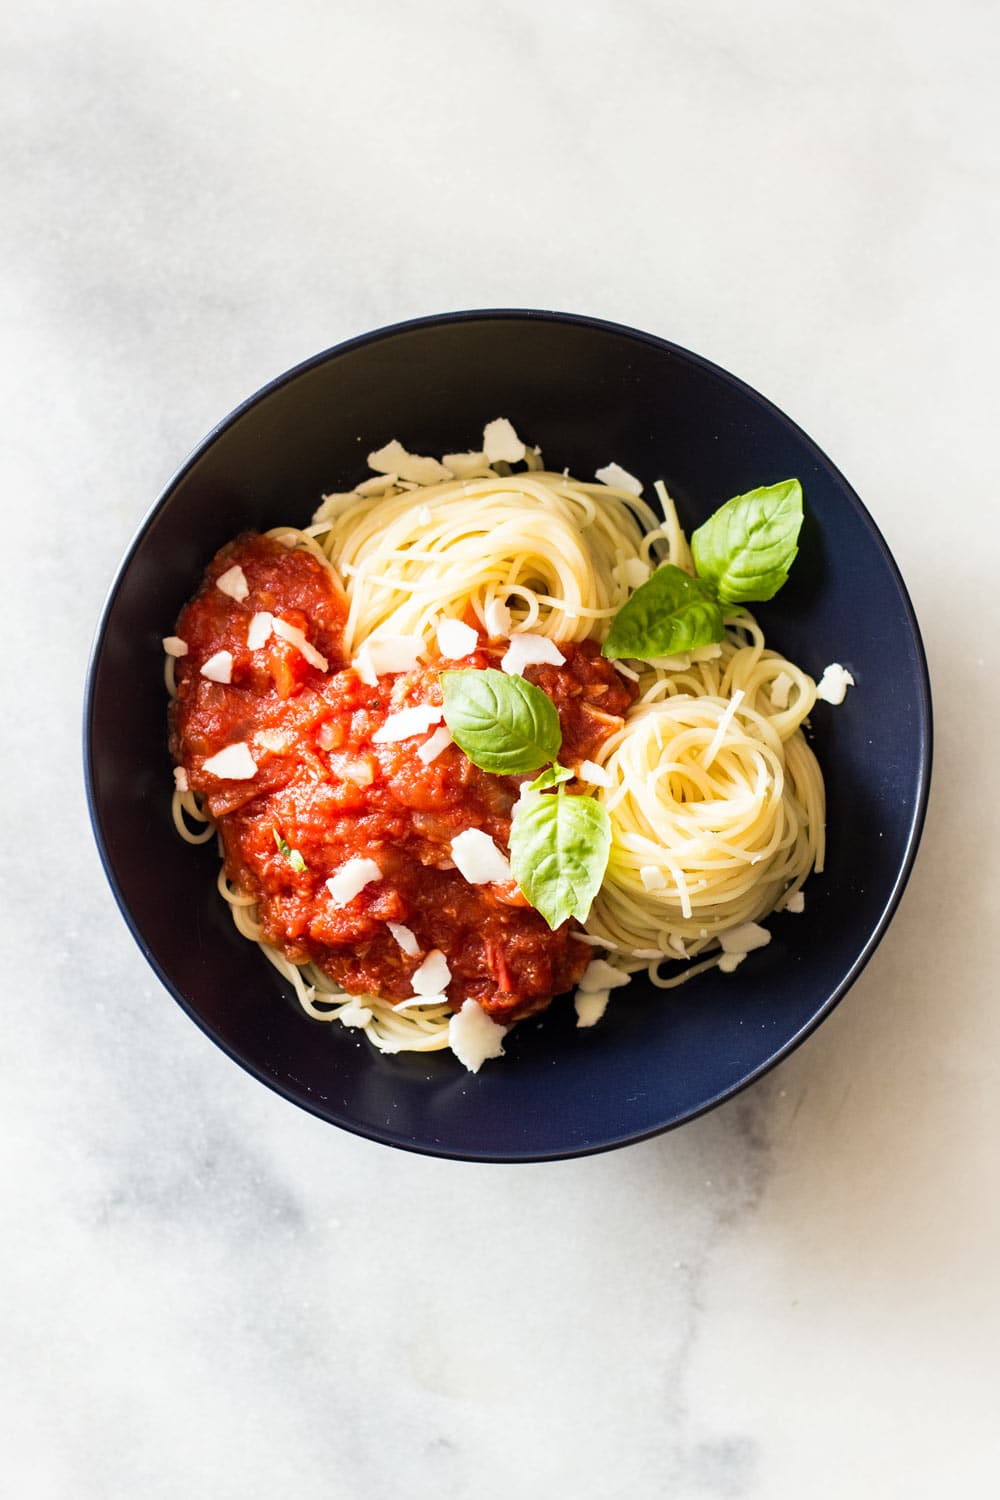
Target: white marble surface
[[206, 1292]]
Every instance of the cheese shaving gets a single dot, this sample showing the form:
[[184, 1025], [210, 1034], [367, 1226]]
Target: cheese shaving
[[432, 976], [181, 779], [652, 878], [394, 459], [745, 938], [233, 763], [796, 902], [351, 879], [432, 748], [296, 638], [600, 975], [526, 650], [456, 640], [474, 1037], [386, 654], [234, 583], [405, 937], [723, 725], [595, 774], [259, 630], [497, 619], [832, 686], [174, 646], [619, 479], [218, 668], [590, 1006], [408, 722], [501, 443], [478, 859]]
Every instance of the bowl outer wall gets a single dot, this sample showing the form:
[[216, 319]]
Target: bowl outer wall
[[587, 392]]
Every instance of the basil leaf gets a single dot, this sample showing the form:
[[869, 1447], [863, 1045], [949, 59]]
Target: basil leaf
[[503, 723], [553, 776], [747, 547], [293, 856], [668, 613], [559, 849]]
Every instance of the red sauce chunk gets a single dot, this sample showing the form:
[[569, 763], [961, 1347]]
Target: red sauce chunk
[[327, 789]]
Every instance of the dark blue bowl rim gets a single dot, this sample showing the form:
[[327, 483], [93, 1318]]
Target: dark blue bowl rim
[[925, 747]]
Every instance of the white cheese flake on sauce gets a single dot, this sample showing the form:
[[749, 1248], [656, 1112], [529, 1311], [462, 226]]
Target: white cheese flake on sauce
[[478, 859], [432, 748], [405, 937], [351, 879], [433, 976], [218, 668], [412, 467], [259, 630], [181, 779], [474, 1037], [796, 902], [296, 638], [174, 646], [501, 443], [407, 723], [590, 1006], [234, 763], [385, 654], [600, 975], [497, 619], [652, 878], [234, 583], [595, 774], [745, 938], [832, 686], [619, 479], [455, 639], [527, 650]]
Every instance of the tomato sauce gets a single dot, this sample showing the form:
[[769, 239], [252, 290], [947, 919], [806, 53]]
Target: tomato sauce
[[326, 789]]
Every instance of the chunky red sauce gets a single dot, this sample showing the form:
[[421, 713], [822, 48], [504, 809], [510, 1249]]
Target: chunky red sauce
[[329, 792]]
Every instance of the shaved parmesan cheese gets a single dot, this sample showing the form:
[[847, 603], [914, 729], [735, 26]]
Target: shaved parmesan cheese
[[432, 976], [234, 763], [730, 961], [464, 464], [678, 663], [174, 646], [234, 583], [259, 629], [625, 671], [707, 653], [270, 739], [528, 650], [595, 774], [432, 748], [796, 902], [832, 686], [408, 722], [593, 941], [497, 618], [652, 878], [619, 479], [677, 944], [351, 878], [478, 859], [722, 726], [181, 779], [745, 938], [386, 654], [501, 443], [590, 1006], [354, 1014], [377, 485], [394, 459], [218, 668], [296, 638], [600, 975], [633, 572], [455, 639], [405, 937], [474, 1036], [779, 690]]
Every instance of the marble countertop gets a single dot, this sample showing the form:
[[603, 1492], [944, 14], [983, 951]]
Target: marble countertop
[[206, 1292]]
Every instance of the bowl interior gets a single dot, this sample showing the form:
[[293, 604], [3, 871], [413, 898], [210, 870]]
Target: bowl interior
[[587, 393]]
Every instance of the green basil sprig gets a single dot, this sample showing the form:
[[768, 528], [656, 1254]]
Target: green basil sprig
[[558, 843], [742, 554], [293, 856], [502, 722], [559, 846]]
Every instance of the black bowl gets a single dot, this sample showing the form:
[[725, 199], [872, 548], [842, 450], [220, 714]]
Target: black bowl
[[588, 392]]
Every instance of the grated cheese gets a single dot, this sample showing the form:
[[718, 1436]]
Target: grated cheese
[[796, 902], [730, 961], [405, 937], [619, 479], [455, 639], [432, 976], [394, 459], [386, 654], [181, 779], [501, 443], [600, 975], [745, 938], [296, 638], [352, 878], [376, 485], [590, 1006], [234, 583], [474, 1037], [832, 686], [259, 629], [218, 668], [174, 646], [478, 859], [432, 748], [233, 763], [407, 723], [526, 650], [462, 465]]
